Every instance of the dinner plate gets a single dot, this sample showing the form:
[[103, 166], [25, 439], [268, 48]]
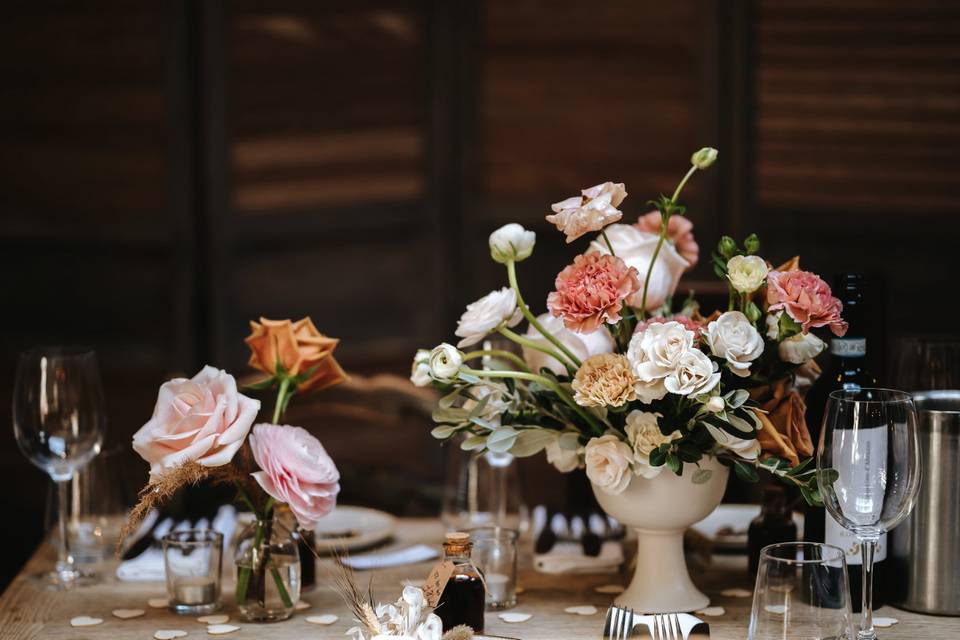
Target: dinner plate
[[352, 528], [727, 526]]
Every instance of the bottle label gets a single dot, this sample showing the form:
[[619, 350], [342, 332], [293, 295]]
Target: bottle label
[[840, 537], [849, 347], [437, 580]]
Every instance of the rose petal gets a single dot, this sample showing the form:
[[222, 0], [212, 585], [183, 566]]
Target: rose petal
[[85, 621], [712, 611], [126, 614], [610, 589], [168, 634], [221, 629], [582, 610], [219, 618], [778, 609], [736, 593], [158, 603], [882, 621], [301, 605], [325, 619], [512, 617]]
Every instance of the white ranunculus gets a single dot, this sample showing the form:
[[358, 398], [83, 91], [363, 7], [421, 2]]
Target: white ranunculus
[[497, 308], [733, 337], [511, 242], [445, 361], [695, 374], [582, 345], [747, 273], [420, 369], [563, 460], [635, 248], [800, 348], [608, 461]]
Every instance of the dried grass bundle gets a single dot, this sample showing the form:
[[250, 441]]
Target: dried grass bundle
[[160, 489], [360, 603]]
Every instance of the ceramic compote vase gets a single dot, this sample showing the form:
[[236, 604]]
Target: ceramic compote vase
[[660, 510]]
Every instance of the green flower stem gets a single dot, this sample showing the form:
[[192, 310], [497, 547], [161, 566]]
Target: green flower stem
[[527, 342], [603, 232], [512, 276], [498, 353], [676, 194], [281, 396], [546, 382]]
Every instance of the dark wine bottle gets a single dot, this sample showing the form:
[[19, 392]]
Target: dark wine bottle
[[849, 369], [774, 525]]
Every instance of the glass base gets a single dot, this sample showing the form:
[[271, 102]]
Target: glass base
[[500, 606], [259, 614], [194, 609], [66, 580]]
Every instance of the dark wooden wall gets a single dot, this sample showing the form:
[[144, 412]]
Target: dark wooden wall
[[173, 169]]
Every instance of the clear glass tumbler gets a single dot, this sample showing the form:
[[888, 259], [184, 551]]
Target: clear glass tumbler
[[495, 554], [193, 559], [801, 593]]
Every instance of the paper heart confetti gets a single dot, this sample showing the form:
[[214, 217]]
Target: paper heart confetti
[[736, 593], [85, 621], [126, 614], [168, 634], [881, 621], [301, 605], [218, 618], [582, 610], [158, 603], [221, 629], [610, 589], [712, 611], [778, 609], [515, 617], [327, 618]]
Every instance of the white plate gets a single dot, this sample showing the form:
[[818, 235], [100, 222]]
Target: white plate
[[727, 525], [353, 528]]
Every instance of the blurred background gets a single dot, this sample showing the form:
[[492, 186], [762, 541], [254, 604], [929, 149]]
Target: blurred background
[[172, 169]]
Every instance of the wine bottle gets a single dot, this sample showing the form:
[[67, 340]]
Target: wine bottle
[[848, 369]]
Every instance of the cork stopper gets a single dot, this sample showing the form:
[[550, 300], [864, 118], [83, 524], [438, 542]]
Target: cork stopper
[[458, 537], [457, 543]]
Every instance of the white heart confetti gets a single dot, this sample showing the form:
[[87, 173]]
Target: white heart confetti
[[736, 593], [126, 614], [158, 603], [301, 605], [168, 634], [515, 617], [85, 621], [778, 609], [712, 611], [219, 618], [611, 589], [582, 610], [221, 629], [327, 618], [881, 621]]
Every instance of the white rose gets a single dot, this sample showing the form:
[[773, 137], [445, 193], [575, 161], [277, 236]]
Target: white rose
[[733, 337], [644, 435], [748, 449], [635, 248], [654, 353], [747, 273], [800, 348], [608, 463], [563, 460], [582, 345], [420, 369], [511, 242], [489, 313], [445, 361], [695, 375]]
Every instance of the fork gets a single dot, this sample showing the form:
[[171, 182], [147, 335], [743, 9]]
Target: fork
[[666, 626], [619, 623]]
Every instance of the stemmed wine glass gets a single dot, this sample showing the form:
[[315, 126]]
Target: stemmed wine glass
[[58, 421], [868, 471]]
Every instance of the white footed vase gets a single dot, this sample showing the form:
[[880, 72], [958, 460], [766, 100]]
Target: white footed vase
[[660, 510]]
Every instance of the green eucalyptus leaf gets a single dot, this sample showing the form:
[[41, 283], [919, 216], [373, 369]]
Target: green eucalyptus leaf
[[444, 431], [745, 471], [531, 442], [473, 443], [701, 476]]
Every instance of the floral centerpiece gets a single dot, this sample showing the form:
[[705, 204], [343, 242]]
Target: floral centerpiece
[[623, 379], [203, 428]]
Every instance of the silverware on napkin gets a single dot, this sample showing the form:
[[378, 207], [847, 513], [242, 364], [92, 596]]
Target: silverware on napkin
[[622, 623]]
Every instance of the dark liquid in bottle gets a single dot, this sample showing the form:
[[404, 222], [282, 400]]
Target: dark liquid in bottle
[[462, 602], [308, 566]]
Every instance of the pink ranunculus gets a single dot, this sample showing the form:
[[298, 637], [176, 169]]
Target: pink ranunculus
[[805, 298], [679, 231], [203, 420], [592, 210], [295, 469], [591, 291]]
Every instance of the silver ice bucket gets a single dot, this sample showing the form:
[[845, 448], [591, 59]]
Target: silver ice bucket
[[926, 546]]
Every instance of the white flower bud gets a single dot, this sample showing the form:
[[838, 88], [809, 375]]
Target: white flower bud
[[704, 158], [511, 242], [445, 361], [716, 404], [420, 369]]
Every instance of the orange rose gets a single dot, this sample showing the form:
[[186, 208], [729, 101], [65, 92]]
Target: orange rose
[[784, 432], [298, 347]]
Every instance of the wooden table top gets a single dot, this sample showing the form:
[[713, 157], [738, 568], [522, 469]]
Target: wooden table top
[[29, 611]]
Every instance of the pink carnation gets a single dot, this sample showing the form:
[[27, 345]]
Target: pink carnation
[[295, 469], [687, 322], [591, 291], [805, 298], [680, 232]]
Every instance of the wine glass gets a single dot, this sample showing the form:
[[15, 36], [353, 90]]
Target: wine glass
[[868, 471], [58, 422]]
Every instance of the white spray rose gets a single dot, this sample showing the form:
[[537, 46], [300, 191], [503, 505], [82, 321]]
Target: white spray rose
[[636, 248], [644, 435], [800, 348], [511, 242], [583, 345], [445, 361], [420, 369], [654, 354], [747, 273], [733, 337], [497, 308], [695, 374], [608, 463], [563, 460]]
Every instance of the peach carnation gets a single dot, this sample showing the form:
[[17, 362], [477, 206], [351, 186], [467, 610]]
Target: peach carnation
[[605, 380], [688, 323], [679, 231], [591, 291], [806, 298], [594, 209]]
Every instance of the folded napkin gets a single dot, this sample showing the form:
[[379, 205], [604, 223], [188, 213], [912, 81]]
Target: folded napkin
[[568, 557], [409, 555]]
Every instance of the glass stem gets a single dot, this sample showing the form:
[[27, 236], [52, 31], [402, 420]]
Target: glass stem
[[66, 570], [867, 549]]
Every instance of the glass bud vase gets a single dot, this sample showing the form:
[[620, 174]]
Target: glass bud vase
[[268, 572]]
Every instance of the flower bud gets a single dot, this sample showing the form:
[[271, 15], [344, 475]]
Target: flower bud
[[727, 247], [716, 404], [511, 242], [752, 244], [704, 158]]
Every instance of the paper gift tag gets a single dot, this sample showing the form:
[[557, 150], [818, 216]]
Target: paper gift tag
[[436, 581]]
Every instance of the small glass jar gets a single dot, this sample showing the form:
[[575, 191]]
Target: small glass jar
[[192, 562], [462, 599], [495, 554], [268, 572]]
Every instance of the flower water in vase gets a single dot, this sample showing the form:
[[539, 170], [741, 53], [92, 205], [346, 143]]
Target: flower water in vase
[[268, 571]]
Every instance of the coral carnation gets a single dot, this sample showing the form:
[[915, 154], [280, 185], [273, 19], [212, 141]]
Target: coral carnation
[[807, 299], [590, 292], [688, 323], [679, 231]]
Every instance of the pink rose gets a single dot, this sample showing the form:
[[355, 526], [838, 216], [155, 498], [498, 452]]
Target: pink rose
[[679, 231], [805, 298], [591, 291], [295, 469], [202, 420], [594, 209]]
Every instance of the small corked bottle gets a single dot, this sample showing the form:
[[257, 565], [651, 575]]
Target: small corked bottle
[[462, 599]]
